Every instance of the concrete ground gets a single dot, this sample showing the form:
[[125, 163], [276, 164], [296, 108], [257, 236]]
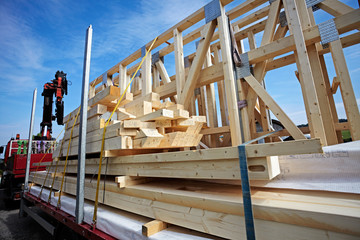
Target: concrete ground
[[14, 227]]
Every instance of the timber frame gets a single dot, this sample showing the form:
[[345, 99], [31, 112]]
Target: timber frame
[[170, 167], [212, 64]]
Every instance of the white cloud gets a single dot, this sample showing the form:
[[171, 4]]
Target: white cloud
[[21, 52]]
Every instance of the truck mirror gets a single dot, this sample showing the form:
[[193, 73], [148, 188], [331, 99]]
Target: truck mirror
[[1, 149]]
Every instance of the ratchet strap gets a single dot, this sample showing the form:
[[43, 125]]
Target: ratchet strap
[[103, 136]]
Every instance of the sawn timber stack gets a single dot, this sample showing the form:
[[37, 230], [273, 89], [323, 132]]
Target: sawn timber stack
[[171, 149]]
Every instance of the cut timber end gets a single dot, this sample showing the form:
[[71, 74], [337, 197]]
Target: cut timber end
[[161, 114], [153, 227]]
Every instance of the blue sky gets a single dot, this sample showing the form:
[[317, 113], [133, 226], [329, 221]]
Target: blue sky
[[37, 38]]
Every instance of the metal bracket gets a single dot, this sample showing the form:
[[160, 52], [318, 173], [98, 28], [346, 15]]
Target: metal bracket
[[283, 19], [244, 70], [143, 51], [137, 74], [104, 78], [186, 62], [313, 4], [156, 58], [197, 91], [328, 32], [212, 10]]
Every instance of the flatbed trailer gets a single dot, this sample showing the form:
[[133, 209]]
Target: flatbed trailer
[[138, 160], [85, 230]]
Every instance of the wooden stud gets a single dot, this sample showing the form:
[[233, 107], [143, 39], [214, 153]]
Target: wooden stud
[[346, 88], [305, 70], [146, 75], [122, 78], [278, 112], [189, 87], [153, 227], [319, 82], [229, 79], [161, 114], [179, 62]]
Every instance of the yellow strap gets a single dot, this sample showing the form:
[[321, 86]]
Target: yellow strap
[[47, 174], [103, 136], [47, 151], [57, 161], [67, 156]]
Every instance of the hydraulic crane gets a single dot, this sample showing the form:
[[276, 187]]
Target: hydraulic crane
[[57, 86]]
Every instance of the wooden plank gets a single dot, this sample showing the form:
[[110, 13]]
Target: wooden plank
[[97, 110], [179, 62], [346, 88], [188, 91], [153, 227], [123, 79], [151, 97], [217, 130], [139, 109], [146, 75], [280, 209], [229, 80], [92, 125], [161, 114], [106, 96], [127, 181], [252, 151], [123, 115], [275, 108], [180, 114]]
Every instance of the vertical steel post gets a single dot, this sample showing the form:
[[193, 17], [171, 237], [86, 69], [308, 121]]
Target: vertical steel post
[[79, 212], [27, 172]]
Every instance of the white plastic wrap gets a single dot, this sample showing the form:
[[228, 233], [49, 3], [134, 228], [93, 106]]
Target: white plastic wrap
[[120, 224], [338, 169]]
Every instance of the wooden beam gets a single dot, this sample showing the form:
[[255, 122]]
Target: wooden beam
[[179, 62], [319, 81], [161, 114], [305, 70], [346, 88], [153, 227], [192, 209], [229, 79], [146, 76], [188, 91], [164, 75], [122, 79], [275, 108], [334, 7]]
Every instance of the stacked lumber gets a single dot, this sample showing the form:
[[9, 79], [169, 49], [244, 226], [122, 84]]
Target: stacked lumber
[[171, 150], [142, 123], [217, 208]]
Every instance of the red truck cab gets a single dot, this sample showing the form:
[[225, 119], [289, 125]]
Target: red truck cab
[[15, 158]]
